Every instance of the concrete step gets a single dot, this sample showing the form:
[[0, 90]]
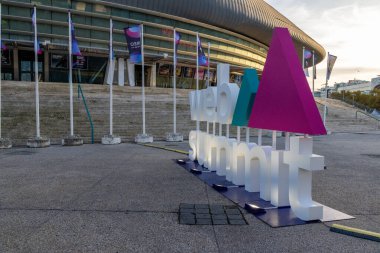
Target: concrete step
[[18, 120]]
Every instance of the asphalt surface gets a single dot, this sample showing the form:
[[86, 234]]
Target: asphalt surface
[[126, 198]]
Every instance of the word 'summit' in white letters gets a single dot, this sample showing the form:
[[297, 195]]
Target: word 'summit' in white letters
[[281, 176]]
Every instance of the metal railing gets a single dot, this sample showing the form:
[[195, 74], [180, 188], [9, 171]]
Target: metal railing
[[321, 104], [80, 93], [353, 103], [368, 115]]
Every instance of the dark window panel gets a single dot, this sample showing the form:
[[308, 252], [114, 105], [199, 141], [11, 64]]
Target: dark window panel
[[61, 3]]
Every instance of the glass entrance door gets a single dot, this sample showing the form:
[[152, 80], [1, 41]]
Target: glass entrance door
[[27, 66], [138, 76]]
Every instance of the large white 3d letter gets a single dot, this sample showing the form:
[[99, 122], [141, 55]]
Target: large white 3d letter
[[239, 164], [210, 103], [223, 155], [202, 147], [257, 160], [227, 97], [212, 149], [301, 163], [193, 145], [280, 180], [196, 111]]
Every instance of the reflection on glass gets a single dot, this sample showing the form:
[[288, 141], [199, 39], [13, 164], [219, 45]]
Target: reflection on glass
[[26, 77], [7, 76], [39, 66], [100, 8], [86, 69], [25, 66], [80, 6]]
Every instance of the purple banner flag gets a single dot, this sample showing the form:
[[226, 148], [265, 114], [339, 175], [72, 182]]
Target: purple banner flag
[[315, 66], [331, 59], [3, 46], [307, 57], [37, 47], [177, 42], [306, 72], [74, 42], [202, 59], [133, 37], [112, 52]]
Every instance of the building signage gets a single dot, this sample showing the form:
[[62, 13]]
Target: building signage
[[58, 61], [80, 62], [133, 36], [6, 57]]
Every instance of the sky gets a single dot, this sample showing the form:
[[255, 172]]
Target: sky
[[349, 29]]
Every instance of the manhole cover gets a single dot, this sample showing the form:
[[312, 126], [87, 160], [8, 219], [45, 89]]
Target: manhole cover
[[204, 214]]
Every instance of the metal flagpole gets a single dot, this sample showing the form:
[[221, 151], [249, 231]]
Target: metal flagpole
[[325, 106], [274, 140], [1, 63], [174, 83], [287, 141], [303, 59], [197, 87], [71, 78], [110, 71], [208, 79], [314, 70], [260, 137], [143, 77], [208, 64], [208, 76], [36, 73], [110, 139]]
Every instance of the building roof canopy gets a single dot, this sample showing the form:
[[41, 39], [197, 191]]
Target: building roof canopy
[[253, 18]]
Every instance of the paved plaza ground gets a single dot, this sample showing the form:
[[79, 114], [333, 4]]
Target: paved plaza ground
[[125, 198]]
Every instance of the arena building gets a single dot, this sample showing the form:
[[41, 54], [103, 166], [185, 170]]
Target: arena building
[[239, 33]]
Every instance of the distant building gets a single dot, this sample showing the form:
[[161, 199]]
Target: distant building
[[358, 85], [376, 83], [322, 92]]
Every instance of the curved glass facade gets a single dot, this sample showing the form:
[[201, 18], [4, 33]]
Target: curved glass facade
[[91, 20]]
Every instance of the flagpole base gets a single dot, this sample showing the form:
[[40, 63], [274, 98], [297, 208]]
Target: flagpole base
[[72, 140], [111, 140], [5, 143], [174, 137], [38, 142], [144, 138]]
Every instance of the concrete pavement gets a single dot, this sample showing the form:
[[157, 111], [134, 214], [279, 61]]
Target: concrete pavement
[[125, 198]]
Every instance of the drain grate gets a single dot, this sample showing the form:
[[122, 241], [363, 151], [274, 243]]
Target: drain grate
[[204, 214]]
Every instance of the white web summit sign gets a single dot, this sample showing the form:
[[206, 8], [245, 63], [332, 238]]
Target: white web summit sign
[[281, 102]]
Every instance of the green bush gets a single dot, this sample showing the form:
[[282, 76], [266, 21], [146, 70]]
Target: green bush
[[371, 100]]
